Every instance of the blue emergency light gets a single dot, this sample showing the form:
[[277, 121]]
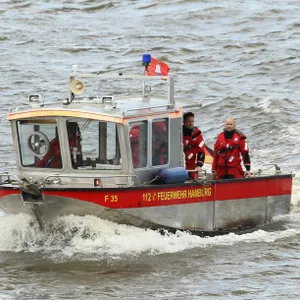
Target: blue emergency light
[[146, 59]]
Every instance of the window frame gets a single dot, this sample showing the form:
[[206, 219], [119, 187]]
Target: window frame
[[131, 124], [35, 121]]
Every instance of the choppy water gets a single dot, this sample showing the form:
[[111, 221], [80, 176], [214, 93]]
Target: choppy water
[[241, 58]]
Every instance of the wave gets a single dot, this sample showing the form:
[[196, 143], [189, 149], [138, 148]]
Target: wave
[[93, 238]]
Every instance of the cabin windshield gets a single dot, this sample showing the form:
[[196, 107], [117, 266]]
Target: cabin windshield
[[39, 143], [93, 144]]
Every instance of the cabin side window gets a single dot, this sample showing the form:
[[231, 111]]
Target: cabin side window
[[138, 135], [160, 142], [39, 143], [94, 144]]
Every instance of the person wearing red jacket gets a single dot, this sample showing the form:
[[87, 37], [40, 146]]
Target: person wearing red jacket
[[134, 136], [159, 143], [193, 145], [52, 159], [230, 150]]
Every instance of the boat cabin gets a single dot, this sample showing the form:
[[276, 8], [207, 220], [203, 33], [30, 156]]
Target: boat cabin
[[102, 140]]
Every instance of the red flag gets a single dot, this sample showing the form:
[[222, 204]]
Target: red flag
[[158, 68]]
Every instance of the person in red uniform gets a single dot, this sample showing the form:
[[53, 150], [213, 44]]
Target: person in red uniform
[[193, 145], [134, 136], [230, 150], [159, 143], [52, 159]]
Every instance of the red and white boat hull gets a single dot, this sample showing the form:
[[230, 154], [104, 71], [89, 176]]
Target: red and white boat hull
[[217, 205]]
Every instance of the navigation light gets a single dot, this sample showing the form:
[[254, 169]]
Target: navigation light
[[146, 59]]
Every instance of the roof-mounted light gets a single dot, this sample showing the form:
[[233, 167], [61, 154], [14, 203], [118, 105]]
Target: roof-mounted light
[[146, 60], [36, 98], [74, 68], [110, 101]]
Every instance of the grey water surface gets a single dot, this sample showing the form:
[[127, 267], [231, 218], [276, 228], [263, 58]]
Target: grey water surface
[[241, 59]]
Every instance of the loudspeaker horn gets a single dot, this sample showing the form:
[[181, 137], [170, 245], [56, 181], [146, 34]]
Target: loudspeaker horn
[[77, 87]]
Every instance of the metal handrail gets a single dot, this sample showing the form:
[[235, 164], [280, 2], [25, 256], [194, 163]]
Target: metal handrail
[[196, 105], [260, 170], [34, 106], [202, 173], [168, 79], [87, 176], [168, 105], [6, 174], [115, 76]]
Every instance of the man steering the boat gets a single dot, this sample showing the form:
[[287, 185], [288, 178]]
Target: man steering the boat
[[193, 145], [52, 159], [230, 150]]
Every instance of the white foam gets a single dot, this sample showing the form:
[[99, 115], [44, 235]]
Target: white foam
[[17, 232], [94, 238], [267, 105], [296, 190]]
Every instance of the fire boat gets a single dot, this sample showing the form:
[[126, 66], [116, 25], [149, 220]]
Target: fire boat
[[101, 154]]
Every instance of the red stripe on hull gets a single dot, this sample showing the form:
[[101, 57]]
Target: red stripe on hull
[[254, 189], [162, 195], [11, 191]]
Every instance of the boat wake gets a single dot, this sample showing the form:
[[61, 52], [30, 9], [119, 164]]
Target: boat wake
[[91, 238], [295, 200]]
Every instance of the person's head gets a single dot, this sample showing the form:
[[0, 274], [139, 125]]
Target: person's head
[[160, 127], [229, 124], [189, 120]]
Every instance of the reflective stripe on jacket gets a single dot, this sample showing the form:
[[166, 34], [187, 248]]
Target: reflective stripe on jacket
[[192, 145]]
